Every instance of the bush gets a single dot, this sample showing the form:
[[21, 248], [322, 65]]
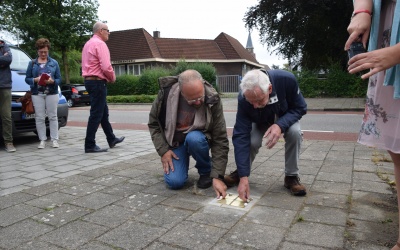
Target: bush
[[131, 98], [148, 81], [124, 85], [207, 70], [337, 83]]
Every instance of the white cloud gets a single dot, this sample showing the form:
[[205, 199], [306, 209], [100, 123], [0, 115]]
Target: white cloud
[[204, 19]]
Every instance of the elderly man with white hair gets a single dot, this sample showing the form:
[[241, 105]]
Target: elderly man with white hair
[[269, 104]]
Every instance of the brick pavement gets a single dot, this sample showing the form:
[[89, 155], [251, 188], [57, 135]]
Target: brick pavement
[[65, 199]]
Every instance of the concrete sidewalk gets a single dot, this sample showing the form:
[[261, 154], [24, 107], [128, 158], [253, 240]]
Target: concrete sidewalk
[[65, 199]]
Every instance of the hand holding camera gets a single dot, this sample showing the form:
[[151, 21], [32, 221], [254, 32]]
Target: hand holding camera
[[355, 49]]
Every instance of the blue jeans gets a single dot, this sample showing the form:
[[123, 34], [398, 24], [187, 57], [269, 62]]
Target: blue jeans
[[97, 90], [196, 145]]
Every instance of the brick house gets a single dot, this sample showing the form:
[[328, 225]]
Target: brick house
[[134, 50]]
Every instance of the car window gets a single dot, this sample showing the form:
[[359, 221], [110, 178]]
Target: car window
[[20, 59]]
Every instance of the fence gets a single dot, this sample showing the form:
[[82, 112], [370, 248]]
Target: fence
[[228, 83]]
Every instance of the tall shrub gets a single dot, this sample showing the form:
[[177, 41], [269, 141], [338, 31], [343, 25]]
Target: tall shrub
[[124, 85], [207, 70], [148, 81]]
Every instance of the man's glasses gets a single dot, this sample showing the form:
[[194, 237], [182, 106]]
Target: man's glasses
[[43, 51], [108, 31], [201, 98]]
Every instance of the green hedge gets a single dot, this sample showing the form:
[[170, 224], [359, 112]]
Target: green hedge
[[124, 85], [148, 81], [335, 83], [131, 98]]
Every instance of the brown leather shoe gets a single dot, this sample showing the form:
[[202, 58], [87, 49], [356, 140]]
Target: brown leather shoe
[[232, 179], [293, 183]]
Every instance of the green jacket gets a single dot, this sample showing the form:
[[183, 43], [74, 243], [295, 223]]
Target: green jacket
[[215, 129]]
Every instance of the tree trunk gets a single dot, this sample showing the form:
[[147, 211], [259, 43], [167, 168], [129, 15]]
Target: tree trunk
[[65, 62]]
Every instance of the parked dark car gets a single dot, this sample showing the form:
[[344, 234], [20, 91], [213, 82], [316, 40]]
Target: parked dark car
[[22, 122], [75, 94]]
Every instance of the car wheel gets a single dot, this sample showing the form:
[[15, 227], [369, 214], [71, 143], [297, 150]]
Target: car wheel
[[87, 104], [70, 103]]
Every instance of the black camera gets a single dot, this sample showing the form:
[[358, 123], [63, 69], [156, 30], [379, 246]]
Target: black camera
[[355, 49]]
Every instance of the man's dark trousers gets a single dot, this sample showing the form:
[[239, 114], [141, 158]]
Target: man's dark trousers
[[97, 90]]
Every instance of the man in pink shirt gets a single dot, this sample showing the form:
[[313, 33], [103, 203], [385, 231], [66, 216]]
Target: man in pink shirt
[[97, 71]]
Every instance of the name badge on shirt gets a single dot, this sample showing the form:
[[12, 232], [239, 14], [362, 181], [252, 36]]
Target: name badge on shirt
[[273, 99]]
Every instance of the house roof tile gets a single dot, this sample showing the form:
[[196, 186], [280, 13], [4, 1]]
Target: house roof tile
[[137, 44]]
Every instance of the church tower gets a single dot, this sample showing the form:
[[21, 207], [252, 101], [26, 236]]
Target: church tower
[[249, 46]]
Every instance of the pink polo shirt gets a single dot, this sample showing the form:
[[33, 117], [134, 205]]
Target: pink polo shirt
[[96, 59]]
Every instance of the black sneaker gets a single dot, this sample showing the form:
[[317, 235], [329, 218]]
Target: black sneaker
[[204, 181], [232, 179]]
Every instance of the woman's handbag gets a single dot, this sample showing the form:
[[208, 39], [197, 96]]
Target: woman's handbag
[[27, 104]]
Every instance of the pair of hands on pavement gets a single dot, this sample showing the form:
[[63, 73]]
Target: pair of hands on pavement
[[166, 160], [375, 61]]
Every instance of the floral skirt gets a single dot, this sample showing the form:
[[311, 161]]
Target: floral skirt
[[381, 123]]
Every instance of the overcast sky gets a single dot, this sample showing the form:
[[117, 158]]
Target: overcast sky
[[196, 19]]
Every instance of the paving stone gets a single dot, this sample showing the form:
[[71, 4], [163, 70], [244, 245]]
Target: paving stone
[[367, 212], [320, 214], [141, 201], [366, 176], [22, 232], [95, 200], [281, 200], [294, 246], [17, 213], [45, 189], [186, 201], [371, 186], [217, 216], [250, 235], [328, 200], [35, 245], [160, 245], [61, 215], [74, 234], [98, 172], [40, 174], [51, 200], [131, 173], [316, 234], [111, 216], [109, 180], [15, 198], [123, 189], [193, 235], [14, 182], [11, 174], [74, 180], [94, 245], [336, 177], [132, 235], [163, 216], [331, 187], [83, 189], [148, 180], [276, 217]]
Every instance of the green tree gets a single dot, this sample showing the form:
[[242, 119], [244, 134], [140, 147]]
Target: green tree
[[309, 33], [65, 23]]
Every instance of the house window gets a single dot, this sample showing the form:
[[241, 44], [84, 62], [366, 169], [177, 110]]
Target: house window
[[119, 70], [135, 69]]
